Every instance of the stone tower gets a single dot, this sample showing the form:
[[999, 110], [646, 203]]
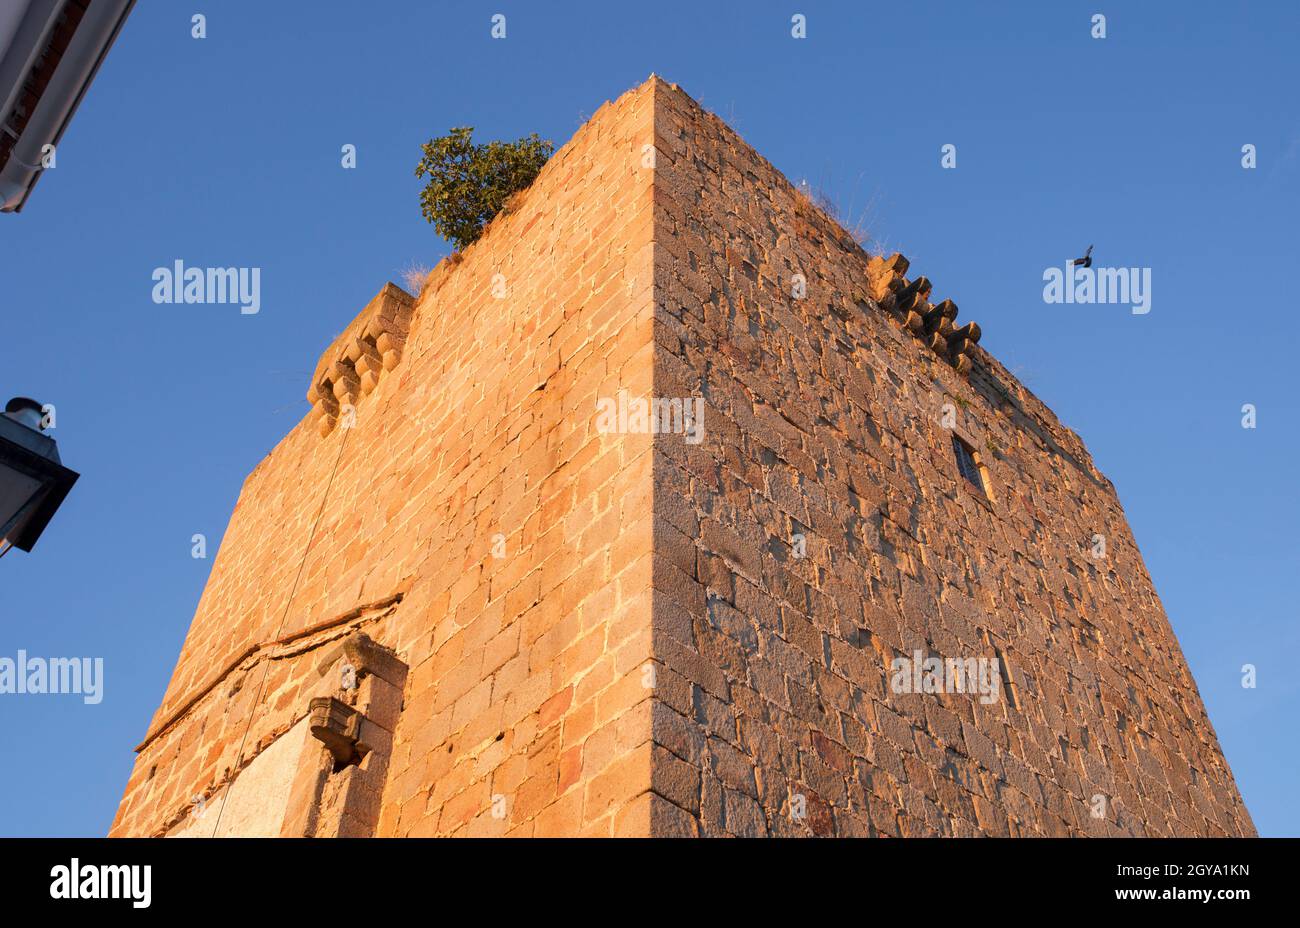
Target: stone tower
[[479, 591]]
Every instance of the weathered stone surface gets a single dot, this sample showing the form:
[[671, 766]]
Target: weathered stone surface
[[861, 408], [576, 631]]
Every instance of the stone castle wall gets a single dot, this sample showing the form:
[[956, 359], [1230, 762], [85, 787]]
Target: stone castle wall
[[826, 421], [477, 428], [491, 616]]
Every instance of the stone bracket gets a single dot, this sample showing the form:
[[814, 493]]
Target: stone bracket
[[366, 657], [337, 726], [909, 302], [352, 365], [337, 791]]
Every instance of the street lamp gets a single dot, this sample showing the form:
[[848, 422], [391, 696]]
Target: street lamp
[[33, 481]]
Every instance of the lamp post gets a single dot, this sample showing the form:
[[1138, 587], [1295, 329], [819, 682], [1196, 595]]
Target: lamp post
[[33, 481]]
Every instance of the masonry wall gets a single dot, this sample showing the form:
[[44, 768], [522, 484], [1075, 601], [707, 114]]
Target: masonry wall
[[602, 633], [824, 420], [478, 442]]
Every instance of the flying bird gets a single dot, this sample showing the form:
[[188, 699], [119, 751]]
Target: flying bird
[[1086, 260]]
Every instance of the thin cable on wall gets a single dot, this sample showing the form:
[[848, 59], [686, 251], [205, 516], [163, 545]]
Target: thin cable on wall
[[266, 672]]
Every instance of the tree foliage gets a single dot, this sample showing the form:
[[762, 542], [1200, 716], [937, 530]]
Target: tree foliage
[[469, 184]]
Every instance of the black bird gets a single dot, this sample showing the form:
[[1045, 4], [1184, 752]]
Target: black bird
[[1086, 260]]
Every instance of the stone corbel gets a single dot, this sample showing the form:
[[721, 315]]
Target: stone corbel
[[339, 784], [909, 302], [336, 725], [353, 364]]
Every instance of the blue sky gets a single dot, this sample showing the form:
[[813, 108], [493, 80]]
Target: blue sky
[[225, 152]]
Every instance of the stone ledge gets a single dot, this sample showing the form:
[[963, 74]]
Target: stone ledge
[[351, 366]]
